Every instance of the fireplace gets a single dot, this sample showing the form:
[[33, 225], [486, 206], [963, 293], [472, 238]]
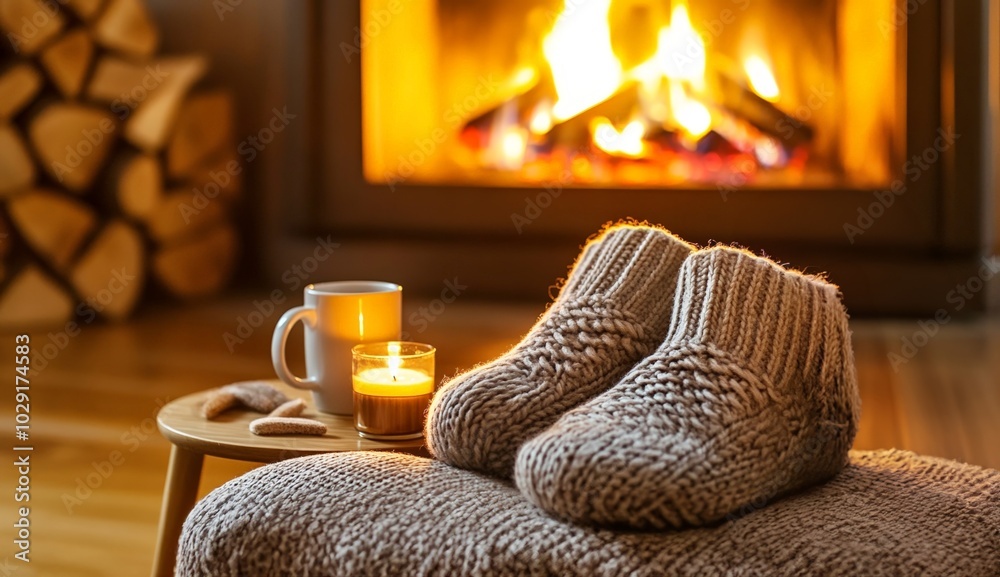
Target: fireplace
[[632, 93], [485, 141]]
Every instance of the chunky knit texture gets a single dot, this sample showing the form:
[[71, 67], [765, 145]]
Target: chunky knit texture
[[751, 395], [258, 396], [888, 513], [612, 312]]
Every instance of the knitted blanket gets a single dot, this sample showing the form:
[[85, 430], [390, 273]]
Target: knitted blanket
[[887, 513]]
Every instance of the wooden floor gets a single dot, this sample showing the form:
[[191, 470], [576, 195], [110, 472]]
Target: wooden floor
[[101, 393]]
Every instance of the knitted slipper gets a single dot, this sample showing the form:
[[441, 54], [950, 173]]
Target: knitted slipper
[[612, 312], [259, 396], [753, 394]]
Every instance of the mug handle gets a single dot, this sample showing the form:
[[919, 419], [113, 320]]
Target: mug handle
[[285, 324]]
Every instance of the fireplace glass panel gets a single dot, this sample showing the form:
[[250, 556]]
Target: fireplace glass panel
[[631, 93]]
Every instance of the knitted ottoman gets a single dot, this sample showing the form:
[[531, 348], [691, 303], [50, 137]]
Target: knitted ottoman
[[887, 513]]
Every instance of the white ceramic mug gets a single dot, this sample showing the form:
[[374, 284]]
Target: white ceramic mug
[[337, 316]]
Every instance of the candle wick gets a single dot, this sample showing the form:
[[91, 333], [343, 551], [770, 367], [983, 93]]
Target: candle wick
[[394, 377]]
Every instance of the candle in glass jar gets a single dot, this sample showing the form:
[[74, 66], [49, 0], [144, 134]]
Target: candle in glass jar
[[393, 386]]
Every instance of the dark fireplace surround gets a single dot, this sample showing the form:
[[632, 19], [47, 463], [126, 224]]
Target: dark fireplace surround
[[900, 250]]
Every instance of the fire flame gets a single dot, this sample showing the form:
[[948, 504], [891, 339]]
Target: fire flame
[[394, 361], [674, 103], [627, 142], [541, 119], [689, 114], [680, 54], [584, 67], [761, 79], [586, 72]]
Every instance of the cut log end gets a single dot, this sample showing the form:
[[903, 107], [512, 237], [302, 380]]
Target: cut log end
[[53, 225], [67, 61], [126, 26], [19, 84], [181, 214], [30, 24], [200, 266], [85, 9], [109, 276], [34, 300], [204, 125], [151, 122], [135, 186], [72, 142], [17, 171]]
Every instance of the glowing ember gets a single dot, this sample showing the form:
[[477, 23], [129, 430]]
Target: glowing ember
[[541, 119]]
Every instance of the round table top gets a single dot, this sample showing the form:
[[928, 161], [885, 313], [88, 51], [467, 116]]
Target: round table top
[[229, 436]]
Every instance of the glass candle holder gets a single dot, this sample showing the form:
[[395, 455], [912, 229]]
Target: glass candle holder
[[393, 385]]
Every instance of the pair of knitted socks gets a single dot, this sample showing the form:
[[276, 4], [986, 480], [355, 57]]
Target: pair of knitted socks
[[664, 387]]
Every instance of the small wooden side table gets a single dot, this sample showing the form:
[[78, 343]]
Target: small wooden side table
[[229, 436]]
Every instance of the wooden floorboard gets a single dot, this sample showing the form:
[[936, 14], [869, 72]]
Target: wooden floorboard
[[101, 393]]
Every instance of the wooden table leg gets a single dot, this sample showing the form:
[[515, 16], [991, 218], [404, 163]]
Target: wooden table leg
[[179, 495]]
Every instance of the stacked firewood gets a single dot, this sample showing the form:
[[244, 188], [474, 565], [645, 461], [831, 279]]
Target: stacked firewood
[[113, 169]]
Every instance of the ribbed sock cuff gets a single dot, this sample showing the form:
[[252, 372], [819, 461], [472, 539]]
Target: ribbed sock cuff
[[635, 266], [778, 322]]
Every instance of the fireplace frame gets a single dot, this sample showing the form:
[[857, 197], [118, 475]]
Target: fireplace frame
[[931, 238]]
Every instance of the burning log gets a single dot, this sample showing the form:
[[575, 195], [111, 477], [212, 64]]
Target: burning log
[[745, 104], [575, 132], [540, 96]]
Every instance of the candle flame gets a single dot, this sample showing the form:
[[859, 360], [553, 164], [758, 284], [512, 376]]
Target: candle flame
[[395, 362], [361, 320]]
